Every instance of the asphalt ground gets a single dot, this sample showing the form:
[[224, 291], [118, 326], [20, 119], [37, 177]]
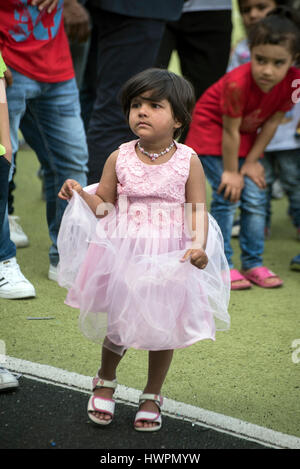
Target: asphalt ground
[[40, 415]]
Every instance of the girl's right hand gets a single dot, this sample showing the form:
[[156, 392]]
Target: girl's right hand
[[67, 189], [232, 183]]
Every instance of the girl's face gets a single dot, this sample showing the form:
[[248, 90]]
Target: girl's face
[[254, 10], [269, 65], [151, 120]]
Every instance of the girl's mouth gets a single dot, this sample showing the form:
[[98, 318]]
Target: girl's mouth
[[143, 124]]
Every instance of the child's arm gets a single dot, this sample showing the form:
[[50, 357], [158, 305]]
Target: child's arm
[[4, 122], [106, 191], [252, 168], [196, 212], [232, 181]]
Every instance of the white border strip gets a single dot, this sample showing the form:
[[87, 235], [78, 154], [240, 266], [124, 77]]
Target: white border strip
[[179, 410]]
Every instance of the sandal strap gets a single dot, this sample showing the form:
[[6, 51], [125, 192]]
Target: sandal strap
[[152, 397], [154, 417], [103, 383], [235, 275], [99, 404], [262, 273]]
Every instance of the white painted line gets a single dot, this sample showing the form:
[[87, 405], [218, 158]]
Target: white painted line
[[179, 410]]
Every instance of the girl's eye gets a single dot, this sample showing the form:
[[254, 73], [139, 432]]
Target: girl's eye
[[135, 105], [278, 63], [156, 105]]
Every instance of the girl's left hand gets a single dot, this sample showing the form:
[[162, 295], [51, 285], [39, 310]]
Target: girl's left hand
[[197, 257], [66, 191], [256, 172]]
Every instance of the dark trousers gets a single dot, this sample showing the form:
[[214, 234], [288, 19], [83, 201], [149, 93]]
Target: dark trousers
[[120, 47], [202, 40]]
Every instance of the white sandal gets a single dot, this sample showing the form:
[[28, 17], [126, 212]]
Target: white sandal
[[154, 417], [101, 404]]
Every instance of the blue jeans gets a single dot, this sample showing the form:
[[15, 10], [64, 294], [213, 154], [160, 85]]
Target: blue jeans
[[52, 126], [252, 207], [7, 247], [285, 164]]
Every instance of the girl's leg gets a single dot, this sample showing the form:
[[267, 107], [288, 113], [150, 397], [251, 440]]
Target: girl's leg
[[159, 364], [109, 364]]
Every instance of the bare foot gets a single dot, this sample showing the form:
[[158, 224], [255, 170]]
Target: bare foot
[[240, 284]]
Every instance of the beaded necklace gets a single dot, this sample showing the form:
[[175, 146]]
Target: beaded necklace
[[153, 156]]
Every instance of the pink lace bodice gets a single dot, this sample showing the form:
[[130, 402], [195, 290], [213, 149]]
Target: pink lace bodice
[[163, 182]]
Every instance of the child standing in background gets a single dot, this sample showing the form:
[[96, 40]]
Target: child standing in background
[[224, 132], [163, 286], [281, 157]]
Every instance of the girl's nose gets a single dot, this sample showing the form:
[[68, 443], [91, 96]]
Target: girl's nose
[[143, 110]]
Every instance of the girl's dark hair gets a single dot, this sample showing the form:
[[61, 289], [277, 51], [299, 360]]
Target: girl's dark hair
[[164, 85], [280, 27]]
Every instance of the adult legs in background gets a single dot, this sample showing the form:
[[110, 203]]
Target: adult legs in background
[[203, 41], [53, 128], [124, 47]]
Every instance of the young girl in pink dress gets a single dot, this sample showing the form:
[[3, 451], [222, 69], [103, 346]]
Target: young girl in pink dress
[[149, 270]]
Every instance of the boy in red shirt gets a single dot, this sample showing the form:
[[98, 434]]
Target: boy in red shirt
[[232, 124]]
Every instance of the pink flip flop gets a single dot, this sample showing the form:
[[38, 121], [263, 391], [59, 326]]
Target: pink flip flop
[[236, 276], [258, 275]]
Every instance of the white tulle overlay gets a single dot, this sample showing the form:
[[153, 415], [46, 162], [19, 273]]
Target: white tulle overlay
[[125, 274]]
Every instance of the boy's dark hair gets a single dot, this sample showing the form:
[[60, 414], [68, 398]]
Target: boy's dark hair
[[165, 85], [280, 27]]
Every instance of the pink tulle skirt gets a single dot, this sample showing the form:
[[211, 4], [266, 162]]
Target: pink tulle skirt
[[134, 289]]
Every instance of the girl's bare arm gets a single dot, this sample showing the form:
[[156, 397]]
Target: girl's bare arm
[[106, 191], [196, 214]]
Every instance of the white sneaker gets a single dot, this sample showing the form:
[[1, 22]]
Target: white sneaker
[[7, 380], [277, 190], [13, 284], [53, 272], [17, 234]]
